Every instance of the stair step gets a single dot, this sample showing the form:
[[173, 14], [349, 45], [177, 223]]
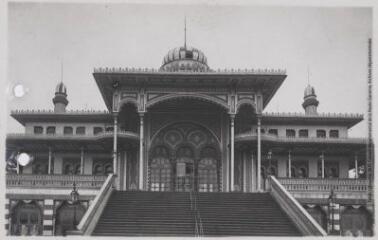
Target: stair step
[[171, 214]]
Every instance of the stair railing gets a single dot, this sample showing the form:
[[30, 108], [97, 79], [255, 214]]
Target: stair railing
[[305, 223], [92, 215], [197, 215]]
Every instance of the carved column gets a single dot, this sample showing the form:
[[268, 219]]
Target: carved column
[[244, 159], [141, 150], [50, 160], [322, 158], [289, 164], [115, 116], [252, 189], [125, 171], [82, 160], [356, 164], [232, 158], [259, 153]]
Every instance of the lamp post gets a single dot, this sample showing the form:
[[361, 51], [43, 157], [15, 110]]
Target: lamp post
[[331, 202], [74, 199]]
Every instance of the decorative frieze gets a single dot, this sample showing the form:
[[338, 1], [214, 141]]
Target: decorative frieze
[[258, 71]]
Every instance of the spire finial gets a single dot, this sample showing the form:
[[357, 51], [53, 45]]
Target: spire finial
[[308, 75], [185, 32], [61, 70]]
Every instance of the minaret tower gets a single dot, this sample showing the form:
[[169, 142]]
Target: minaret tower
[[310, 103], [60, 100]]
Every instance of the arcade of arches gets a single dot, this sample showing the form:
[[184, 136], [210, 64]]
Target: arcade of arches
[[185, 157], [27, 217]]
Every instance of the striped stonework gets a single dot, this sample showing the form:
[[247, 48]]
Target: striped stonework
[[48, 213], [7, 221], [334, 216]]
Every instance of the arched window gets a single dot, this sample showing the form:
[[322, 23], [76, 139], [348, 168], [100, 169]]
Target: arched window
[[102, 166], [320, 133], [71, 166], [26, 219], [50, 130], [290, 133], [38, 130], [80, 130], [334, 133], [303, 133]]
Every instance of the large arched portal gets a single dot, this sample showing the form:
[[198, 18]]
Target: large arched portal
[[184, 157]]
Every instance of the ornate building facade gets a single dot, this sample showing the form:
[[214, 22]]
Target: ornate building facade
[[184, 128]]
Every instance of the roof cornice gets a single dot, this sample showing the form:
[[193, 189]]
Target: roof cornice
[[226, 71]]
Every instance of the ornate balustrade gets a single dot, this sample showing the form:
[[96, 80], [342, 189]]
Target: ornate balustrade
[[320, 115], [217, 71], [248, 136], [324, 185], [69, 112], [54, 181], [97, 136]]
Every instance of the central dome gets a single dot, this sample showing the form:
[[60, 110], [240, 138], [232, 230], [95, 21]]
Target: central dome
[[185, 59]]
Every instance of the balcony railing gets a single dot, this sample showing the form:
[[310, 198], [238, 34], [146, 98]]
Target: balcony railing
[[88, 137], [54, 181], [324, 185], [248, 136], [320, 115]]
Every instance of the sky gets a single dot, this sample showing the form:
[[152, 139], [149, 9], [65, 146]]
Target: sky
[[323, 46]]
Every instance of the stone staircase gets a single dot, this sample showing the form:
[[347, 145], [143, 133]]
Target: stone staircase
[[243, 214], [174, 214]]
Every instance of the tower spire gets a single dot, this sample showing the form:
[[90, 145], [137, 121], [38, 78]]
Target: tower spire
[[185, 32], [61, 71], [60, 99], [308, 75]]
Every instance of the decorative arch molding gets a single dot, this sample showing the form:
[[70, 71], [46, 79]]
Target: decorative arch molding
[[194, 123], [125, 101], [356, 221], [223, 103], [68, 216], [26, 218], [244, 102]]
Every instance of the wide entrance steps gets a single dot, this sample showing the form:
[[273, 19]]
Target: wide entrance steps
[[243, 214], [172, 214]]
